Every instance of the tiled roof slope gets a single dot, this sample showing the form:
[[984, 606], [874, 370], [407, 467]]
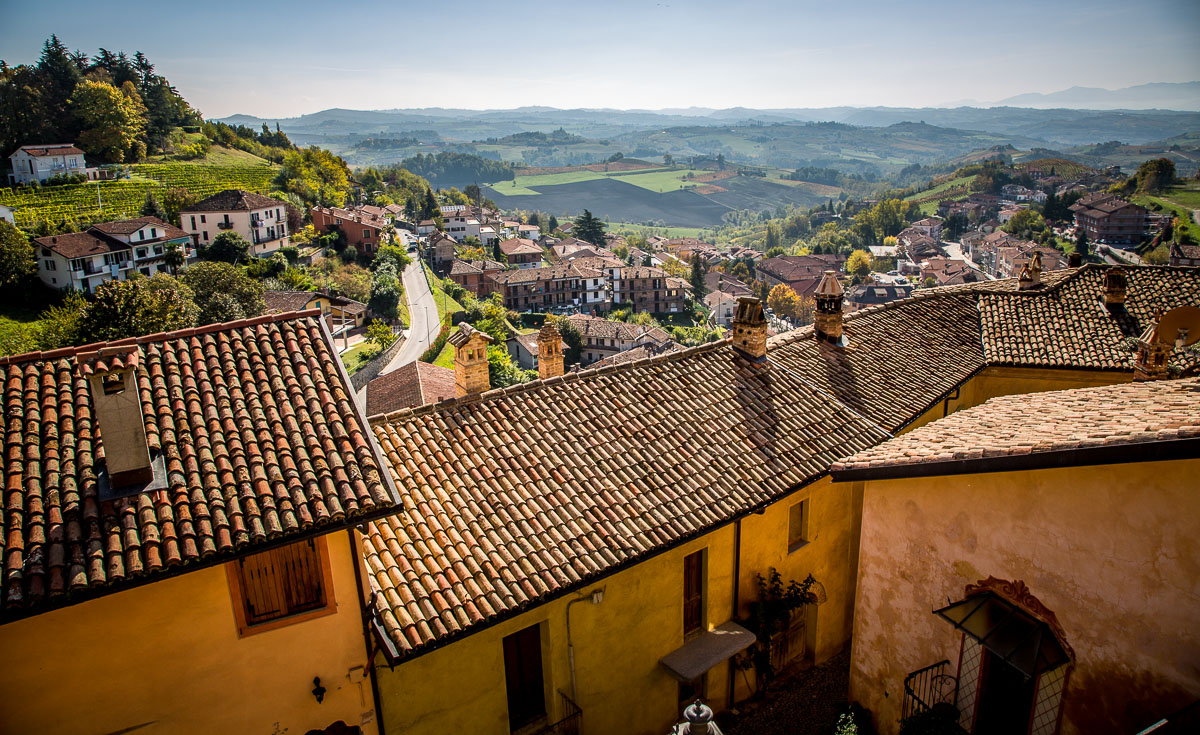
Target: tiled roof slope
[[1068, 325], [413, 384], [518, 495], [1130, 413], [231, 200], [260, 439], [527, 492]]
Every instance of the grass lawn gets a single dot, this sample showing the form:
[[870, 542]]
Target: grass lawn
[[512, 189], [445, 358], [445, 304], [569, 177], [663, 180], [1184, 196], [354, 358]]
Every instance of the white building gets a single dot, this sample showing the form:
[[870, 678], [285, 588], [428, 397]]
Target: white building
[[40, 162], [722, 307], [83, 260], [6, 214], [259, 219]]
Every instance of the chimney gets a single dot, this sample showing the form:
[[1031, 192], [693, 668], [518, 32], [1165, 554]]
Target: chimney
[[470, 360], [1116, 284], [1152, 353], [1074, 260], [750, 329], [550, 355], [117, 405], [1031, 273], [699, 719], [828, 317]]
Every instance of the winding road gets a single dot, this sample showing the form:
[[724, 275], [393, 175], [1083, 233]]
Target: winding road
[[423, 316]]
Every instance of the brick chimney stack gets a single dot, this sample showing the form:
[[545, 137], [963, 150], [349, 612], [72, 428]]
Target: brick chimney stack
[[550, 355], [1116, 285], [750, 329], [1031, 273], [1152, 353], [470, 360], [112, 380], [828, 317]]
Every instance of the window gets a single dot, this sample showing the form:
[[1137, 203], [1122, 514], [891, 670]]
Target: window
[[693, 593], [797, 525], [51, 265], [153, 232], [202, 221], [523, 677], [205, 235], [193, 221], [286, 582], [141, 234], [141, 252]]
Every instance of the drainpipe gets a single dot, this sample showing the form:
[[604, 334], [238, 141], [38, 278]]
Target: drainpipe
[[737, 573], [595, 597], [368, 638]]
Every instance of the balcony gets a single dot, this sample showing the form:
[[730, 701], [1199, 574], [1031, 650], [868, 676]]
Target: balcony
[[570, 724], [224, 225], [932, 692]]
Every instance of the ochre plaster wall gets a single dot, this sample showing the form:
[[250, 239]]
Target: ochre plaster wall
[[166, 658], [1112, 550]]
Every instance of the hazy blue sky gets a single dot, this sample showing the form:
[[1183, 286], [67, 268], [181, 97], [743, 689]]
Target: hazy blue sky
[[272, 58]]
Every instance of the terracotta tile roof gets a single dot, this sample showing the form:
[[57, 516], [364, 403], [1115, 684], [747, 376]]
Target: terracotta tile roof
[[550, 273], [256, 427], [51, 149], [1053, 421], [516, 496], [414, 384], [640, 352], [525, 493], [279, 302], [80, 244], [520, 246], [1067, 325], [594, 326], [464, 267], [233, 200], [130, 226]]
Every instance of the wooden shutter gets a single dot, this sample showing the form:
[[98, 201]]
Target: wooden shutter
[[282, 582], [523, 676], [693, 592]]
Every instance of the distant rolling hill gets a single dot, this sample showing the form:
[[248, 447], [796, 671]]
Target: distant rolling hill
[[1154, 96]]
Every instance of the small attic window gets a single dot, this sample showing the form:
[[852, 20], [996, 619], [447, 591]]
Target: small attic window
[[113, 384]]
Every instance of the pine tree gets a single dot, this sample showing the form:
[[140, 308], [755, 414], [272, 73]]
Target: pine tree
[[589, 228], [697, 279]]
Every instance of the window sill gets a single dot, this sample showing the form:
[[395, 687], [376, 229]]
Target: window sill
[[268, 625], [793, 548]]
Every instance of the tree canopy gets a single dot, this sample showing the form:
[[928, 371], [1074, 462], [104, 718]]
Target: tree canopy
[[589, 228]]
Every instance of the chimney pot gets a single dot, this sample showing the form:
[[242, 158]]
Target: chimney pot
[[117, 406], [1152, 353], [550, 354], [1031, 273], [1116, 286], [470, 360], [699, 718], [750, 329], [828, 317]]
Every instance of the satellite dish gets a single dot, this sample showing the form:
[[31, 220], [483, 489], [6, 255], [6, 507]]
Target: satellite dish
[[1180, 326]]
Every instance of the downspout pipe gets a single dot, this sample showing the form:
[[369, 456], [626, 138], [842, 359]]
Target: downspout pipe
[[737, 574], [594, 597], [368, 638]]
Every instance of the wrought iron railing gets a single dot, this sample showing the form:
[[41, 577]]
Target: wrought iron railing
[[571, 722], [927, 687]]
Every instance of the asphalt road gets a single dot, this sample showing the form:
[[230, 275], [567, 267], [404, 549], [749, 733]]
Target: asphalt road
[[423, 313]]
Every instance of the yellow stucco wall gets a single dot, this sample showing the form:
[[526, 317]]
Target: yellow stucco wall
[[166, 658], [1112, 550], [622, 689]]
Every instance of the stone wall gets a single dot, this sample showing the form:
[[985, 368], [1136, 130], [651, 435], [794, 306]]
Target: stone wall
[[371, 370]]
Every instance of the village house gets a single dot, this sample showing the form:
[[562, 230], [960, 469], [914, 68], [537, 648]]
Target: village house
[[528, 232], [930, 226], [1185, 255], [160, 535], [603, 338], [649, 289], [1010, 259], [339, 312], [258, 219], [460, 224], [1052, 536], [81, 261], [363, 226], [801, 273], [522, 253], [413, 384], [426, 227], [863, 295], [475, 275], [556, 286], [41, 162], [753, 494], [1108, 219], [948, 272], [525, 351], [442, 249], [718, 281], [721, 307]]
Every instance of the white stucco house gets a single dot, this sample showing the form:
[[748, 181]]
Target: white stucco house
[[40, 162]]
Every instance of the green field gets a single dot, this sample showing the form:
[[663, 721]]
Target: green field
[[655, 179], [1181, 201], [123, 198]]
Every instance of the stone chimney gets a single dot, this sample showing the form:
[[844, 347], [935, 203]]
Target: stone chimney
[[750, 329], [1152, 354], [828, 317], [1031, 273], [1116, 284], [1074, 260], [550, 354], [470, 360], [117, 405]]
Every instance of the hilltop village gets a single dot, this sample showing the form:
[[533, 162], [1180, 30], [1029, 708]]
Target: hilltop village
[[291, 448]]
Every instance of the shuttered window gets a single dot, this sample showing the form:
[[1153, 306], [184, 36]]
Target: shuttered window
[[693, 593], [282, 582], [523, 676]]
